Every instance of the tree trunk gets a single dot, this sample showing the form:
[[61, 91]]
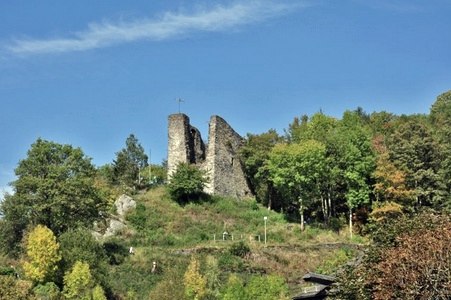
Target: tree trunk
[[269, 197], [329, 201], [301, 210], [302, 220], [350, 222]]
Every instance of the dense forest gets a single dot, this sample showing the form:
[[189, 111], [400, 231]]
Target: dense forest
[[381, 177]]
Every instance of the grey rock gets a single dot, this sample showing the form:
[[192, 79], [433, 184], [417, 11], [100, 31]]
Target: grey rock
[[124, 204]]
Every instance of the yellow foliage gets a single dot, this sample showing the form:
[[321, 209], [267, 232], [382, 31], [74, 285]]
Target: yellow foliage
[[195, 283], [42, 252], [388, 209], [78, 282]]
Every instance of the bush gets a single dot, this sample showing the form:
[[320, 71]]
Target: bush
[[230, 263], [14, 289], [240, 249], [340, 257], [80, 245], [187, 183], [48, 291]]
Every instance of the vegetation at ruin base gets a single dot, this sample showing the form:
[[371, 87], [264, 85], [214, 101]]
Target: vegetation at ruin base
[[329, 188]]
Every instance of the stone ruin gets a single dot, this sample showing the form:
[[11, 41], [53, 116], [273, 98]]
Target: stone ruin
[[219, 158]]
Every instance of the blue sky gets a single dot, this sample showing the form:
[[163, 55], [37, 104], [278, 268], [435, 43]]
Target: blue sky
[[89, 73]]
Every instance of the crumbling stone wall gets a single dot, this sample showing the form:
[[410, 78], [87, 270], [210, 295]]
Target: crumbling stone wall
[[184, 143], [220, 157]]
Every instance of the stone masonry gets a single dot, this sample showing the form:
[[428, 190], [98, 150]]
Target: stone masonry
[[219, 158]]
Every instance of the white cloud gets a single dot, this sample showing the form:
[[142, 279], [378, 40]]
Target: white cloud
[[169, 25]]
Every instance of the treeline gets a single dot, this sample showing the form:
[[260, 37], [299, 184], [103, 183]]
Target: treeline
[[323, 169]]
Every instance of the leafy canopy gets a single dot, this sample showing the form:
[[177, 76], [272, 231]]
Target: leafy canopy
[[187, 183], [43, 254], [55, 188], [129, 162]]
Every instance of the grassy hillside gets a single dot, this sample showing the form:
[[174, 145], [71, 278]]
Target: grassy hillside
[[161, 230]]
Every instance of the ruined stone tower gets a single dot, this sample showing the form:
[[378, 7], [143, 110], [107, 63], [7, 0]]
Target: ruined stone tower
[[220, 157]]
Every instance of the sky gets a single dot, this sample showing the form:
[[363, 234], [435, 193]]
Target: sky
[[89, 73]]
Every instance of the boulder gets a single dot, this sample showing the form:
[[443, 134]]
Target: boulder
[[114, 227], [124, 204]]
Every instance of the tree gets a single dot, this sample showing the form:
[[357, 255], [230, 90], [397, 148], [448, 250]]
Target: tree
[[271, 287], [43, 255], [298, 168], [195, 283], [129, 162], [187, 183], [12, 288], [234, 288], [390, 182], [414, 151], [78, 282], [356, 161], [47, 291], [55, 188], [212, 274], [254, 155], [392, 267], [323, 129], [440, 117], [80, 245], [98, 293]]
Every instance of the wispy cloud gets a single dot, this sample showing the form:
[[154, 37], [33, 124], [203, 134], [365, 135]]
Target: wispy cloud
[[394, 5], [169, 25]]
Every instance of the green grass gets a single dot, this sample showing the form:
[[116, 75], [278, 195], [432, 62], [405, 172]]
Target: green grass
[[163, 231]]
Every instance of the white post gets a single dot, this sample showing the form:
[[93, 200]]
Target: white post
[[265, 218]]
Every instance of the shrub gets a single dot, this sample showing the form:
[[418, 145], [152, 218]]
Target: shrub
[[230, 263], [187, 183], [14, 289], [48, 291], [270, 287], [80, 245], [240, 249]]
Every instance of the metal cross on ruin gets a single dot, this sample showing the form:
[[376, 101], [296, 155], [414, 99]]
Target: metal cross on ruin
[[179, 100]]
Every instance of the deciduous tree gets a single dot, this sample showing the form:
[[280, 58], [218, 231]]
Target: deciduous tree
[[78, 282], [55, 188], [254, 155], [195, 283], [298, 168], [187, 183], [42, 254]]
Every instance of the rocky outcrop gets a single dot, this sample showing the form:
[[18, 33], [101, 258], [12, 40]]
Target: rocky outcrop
[[116, 223], [123, 205], [219, 158]]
